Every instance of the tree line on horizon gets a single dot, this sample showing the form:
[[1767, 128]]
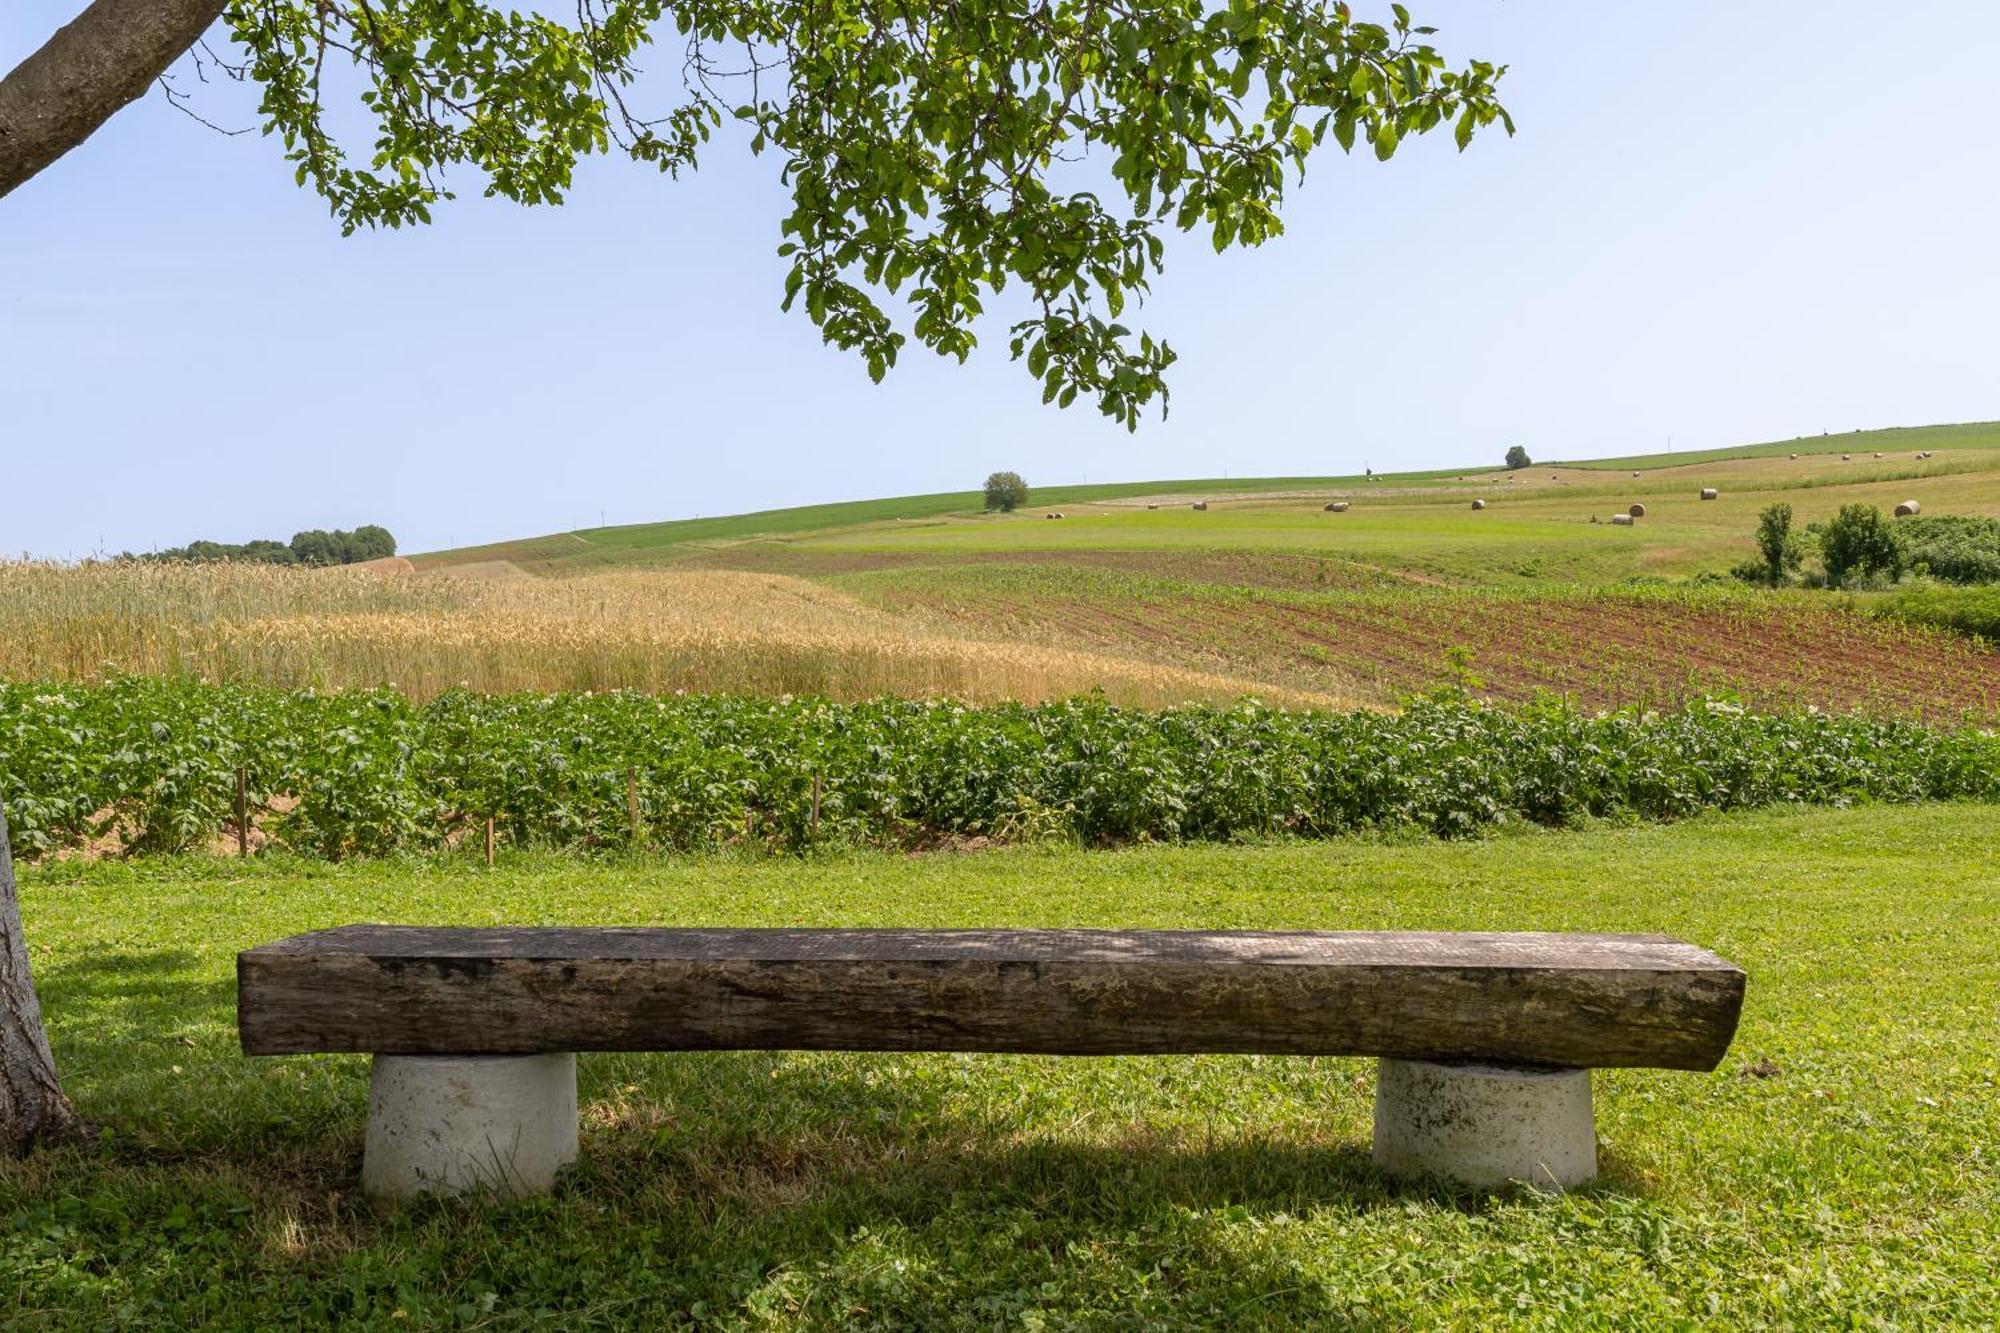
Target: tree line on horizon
[[313, 547]]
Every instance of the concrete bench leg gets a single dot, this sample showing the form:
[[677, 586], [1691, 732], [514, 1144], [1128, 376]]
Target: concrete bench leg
[[454, 1124], [1483, 1125]]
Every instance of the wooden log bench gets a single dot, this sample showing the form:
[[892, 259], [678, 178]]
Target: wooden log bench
[[1485, 1040]]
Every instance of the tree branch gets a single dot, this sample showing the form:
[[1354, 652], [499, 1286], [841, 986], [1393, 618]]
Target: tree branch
[[91, 69]]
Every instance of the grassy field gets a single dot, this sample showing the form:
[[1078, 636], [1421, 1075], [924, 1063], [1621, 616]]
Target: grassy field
[[1400, 523], [1838, 1170]]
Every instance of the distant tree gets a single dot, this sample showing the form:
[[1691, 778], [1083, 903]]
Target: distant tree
[[266, 552], [315, 546], [1859, 540], [373, 543], [1517, 457], [1006, 492], [1779, 549]]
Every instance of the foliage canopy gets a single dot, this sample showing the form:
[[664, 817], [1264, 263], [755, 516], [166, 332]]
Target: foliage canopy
[[934, 153]]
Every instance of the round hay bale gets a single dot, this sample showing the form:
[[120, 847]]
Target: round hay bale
[[1201, 504], [1847, 458], [1622, 520], [1479, 504], [1909, 509], [1636, 511], [1878, 455], [1792, 456], [1337, 507], [1708, 492], [1635, 476], [1052, 516], [1152, 506]]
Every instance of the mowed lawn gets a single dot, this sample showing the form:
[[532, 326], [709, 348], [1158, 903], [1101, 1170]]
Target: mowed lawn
[[1843, 1166]]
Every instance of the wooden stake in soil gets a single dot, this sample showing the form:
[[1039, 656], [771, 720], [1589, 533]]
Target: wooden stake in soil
[[632, 802], [815, 810], [489, 842], [242, 812]]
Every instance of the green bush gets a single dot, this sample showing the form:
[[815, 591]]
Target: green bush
[[1952, 548], [1858, 540], [370, 773]]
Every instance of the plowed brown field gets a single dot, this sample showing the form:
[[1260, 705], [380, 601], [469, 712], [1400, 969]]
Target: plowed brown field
[[1603, 648]]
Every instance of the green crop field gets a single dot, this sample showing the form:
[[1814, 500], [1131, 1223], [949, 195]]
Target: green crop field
[[1837, 1170]]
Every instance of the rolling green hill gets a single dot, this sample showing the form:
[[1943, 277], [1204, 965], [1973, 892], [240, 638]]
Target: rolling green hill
[[1960, 451]]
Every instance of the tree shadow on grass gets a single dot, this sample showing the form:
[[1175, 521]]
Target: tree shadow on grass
[[145, 1043], [905, 1186], [104, 1009]]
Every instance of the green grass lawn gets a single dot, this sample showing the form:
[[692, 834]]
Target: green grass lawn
[[1842, 1167]]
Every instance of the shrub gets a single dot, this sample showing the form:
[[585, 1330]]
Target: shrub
[[1954, 549], [1859, 540], [1006, 492]]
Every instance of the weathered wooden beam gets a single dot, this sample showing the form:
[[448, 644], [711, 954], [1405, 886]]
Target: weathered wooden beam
[[1536, 999]]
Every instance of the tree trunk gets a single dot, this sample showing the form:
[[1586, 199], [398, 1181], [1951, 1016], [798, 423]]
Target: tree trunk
[[33, 1109], [91, 68]]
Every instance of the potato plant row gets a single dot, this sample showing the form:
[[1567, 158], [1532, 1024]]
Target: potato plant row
[[145, 765]]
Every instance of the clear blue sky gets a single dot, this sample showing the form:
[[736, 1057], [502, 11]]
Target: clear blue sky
[[1719, 223]]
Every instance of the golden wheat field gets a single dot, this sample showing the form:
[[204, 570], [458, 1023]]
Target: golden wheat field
[[702, 630]]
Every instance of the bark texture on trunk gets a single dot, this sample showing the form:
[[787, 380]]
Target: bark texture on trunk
[[33, 1109], [104, 60]]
